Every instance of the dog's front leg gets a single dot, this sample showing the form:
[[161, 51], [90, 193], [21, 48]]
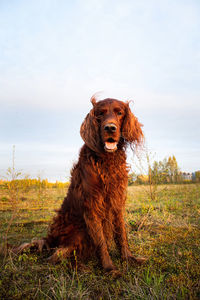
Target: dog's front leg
[[121, 236], [122, 241], [95, 231]]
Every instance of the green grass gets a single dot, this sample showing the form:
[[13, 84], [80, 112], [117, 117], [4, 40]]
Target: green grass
[[166, 230]]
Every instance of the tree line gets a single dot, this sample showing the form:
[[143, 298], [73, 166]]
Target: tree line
[[163, 172]]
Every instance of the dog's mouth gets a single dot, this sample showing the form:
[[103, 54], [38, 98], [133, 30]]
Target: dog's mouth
[[110, 145]]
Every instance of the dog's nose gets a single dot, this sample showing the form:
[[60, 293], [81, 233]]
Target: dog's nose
[[110, 127]]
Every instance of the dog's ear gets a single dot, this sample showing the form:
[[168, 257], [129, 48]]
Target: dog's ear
[[89, 130], [131, 128]]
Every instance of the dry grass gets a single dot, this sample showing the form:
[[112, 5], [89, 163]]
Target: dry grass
[[167, 230]]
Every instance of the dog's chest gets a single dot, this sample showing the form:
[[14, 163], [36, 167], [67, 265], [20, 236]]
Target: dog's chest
[[113, 173]]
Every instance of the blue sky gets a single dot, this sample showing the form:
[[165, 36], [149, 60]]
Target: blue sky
[[55, 54]]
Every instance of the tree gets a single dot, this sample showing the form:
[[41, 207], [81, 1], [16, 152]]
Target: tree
[[166, 170], [173, 169], [160, 171], [132, 178], [197, 176]]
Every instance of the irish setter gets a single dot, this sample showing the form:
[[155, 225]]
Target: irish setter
[[91, 215]]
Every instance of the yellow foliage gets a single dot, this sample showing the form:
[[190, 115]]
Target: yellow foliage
[[24, 184], [143, 178]]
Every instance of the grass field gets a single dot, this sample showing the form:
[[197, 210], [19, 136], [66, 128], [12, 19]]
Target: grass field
[[166, 230]]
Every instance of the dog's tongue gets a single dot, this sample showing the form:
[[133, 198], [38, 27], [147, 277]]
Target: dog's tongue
[[110, 146]]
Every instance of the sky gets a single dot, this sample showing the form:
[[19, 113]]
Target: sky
[[55, 54]]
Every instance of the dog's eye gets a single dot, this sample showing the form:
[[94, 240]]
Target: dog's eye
[[119, 113], [101, 112]]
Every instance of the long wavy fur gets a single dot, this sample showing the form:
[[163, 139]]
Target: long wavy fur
[[91, 215]]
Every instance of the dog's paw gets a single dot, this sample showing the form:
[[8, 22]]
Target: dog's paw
[[138, 260], [114, 273], [59, 255], [35, 244], [40, 244], [21, 248]]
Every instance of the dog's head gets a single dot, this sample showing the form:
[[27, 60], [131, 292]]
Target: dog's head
[[110, 125]]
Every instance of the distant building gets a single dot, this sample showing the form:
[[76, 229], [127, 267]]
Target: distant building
[[187, 176], [193, 176]]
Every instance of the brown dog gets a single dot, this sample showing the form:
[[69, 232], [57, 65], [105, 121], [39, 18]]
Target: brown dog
[[92, 212]]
